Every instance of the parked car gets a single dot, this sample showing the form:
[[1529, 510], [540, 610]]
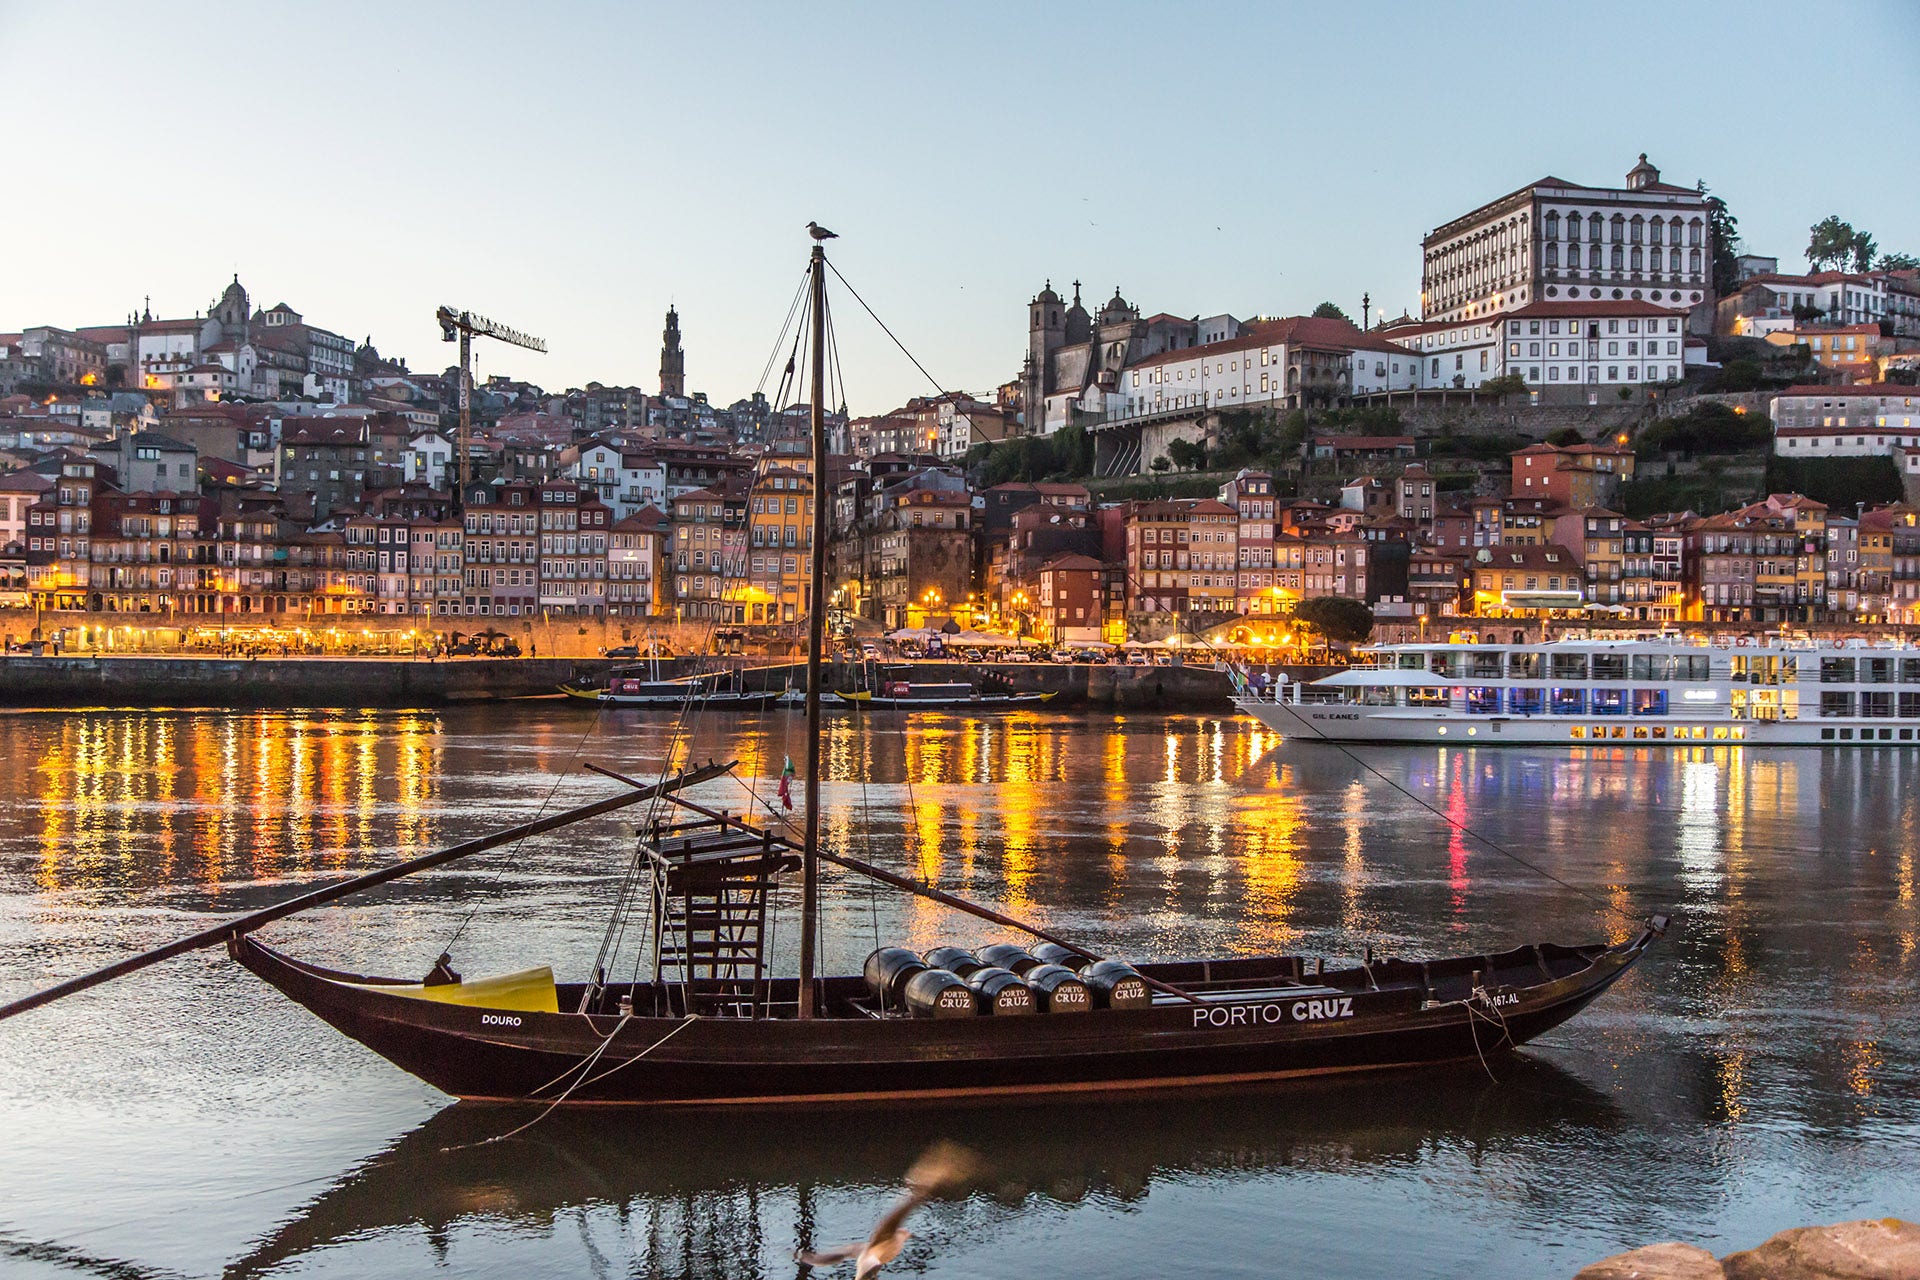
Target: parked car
[[622, 651]]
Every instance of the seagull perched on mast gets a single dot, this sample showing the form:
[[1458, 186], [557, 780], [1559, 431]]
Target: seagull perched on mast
[[819, 232], [941, 1166]]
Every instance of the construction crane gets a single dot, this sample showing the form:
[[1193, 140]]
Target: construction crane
[[463, 327]]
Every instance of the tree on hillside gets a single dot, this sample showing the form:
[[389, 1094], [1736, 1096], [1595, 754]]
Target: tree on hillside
[[1710, 427], [1830, 244], [1336, 617], [1740, 375], [1726, 245], [1330, 311], [1073, 451], [1564, 436], [1898, 262], [1863, 250], [1188, 455], [1507, 384]]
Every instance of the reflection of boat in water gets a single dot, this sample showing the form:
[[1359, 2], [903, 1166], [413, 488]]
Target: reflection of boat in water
[[906, 695], [699, 1167]]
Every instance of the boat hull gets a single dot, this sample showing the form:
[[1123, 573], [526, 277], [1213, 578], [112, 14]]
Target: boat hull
[[1352, 722], [1230, 1040]]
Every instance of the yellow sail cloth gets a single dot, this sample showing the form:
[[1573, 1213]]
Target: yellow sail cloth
[[527, 992]]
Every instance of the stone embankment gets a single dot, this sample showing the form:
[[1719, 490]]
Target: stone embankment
[[1871, 1249], [281, 682], [199, 681]]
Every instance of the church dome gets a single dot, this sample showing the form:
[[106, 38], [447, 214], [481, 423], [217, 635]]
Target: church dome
[[1047, 294]]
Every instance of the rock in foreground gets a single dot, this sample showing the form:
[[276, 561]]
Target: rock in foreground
[[1871, 1249], [1657, 1262]]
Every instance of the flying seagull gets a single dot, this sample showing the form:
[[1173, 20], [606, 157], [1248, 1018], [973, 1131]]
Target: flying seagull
[[942, 1165], [819, 232]]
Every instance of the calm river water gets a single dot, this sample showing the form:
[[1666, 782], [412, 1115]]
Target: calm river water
[[1760, 1070]]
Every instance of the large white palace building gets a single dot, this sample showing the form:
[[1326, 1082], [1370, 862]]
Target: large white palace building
[[1557, 241]]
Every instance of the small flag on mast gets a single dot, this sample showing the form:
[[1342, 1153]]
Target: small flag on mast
[[786, 783]]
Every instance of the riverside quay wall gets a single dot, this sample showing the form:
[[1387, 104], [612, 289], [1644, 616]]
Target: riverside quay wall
[[271, 681], [1185, 687], [194, 681]]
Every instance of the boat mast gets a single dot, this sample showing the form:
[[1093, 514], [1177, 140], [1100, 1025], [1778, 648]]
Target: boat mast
[[816, 634]]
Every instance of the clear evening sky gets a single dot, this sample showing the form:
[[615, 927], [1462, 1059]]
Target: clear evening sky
[[569, 169]]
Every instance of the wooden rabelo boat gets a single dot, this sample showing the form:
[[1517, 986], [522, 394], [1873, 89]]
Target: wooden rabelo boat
[[712, 1025]]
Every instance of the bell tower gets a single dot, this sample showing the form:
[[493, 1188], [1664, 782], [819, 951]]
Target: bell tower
[[673, 361]]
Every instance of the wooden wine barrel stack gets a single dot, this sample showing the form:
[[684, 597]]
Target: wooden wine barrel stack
[[958, 959], [1001, 992], [1058, 989], [939, 993], [1009, 955], [888, 971], [1115, 984], [1054, 953]]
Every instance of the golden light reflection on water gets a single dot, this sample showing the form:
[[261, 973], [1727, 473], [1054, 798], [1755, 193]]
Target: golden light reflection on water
[[1730, 1068], [1272, 865], [1863, 1061], [127, 799]]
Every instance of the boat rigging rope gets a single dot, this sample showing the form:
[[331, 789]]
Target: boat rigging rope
[[686, 723], [584, 1066], [500, 871], [799, 299], [883, 328]]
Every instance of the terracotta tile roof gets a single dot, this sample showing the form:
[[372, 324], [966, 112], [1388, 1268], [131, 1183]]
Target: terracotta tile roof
[[647, 519], [1888, 389], [1508, 557], [1882, 519], [1587, 307], [1813, 279], [1298, 331]]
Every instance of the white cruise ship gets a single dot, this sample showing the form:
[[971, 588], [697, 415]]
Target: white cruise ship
[[1760, 691]]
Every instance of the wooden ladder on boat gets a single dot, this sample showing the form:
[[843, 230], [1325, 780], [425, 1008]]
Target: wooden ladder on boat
[[709, 910]]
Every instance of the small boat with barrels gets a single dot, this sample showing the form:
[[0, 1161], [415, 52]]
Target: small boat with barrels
[[958, 695], [712, 690], [704, 1017]]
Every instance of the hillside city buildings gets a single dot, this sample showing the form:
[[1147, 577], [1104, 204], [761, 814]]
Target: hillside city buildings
[[245, 464]]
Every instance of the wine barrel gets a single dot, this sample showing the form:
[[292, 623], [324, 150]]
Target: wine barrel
[[1115, 984], [1054, 953], [1001, 992], [938, 993], [958, 959], [888, 970], [1058, 989], [1009, 955]]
